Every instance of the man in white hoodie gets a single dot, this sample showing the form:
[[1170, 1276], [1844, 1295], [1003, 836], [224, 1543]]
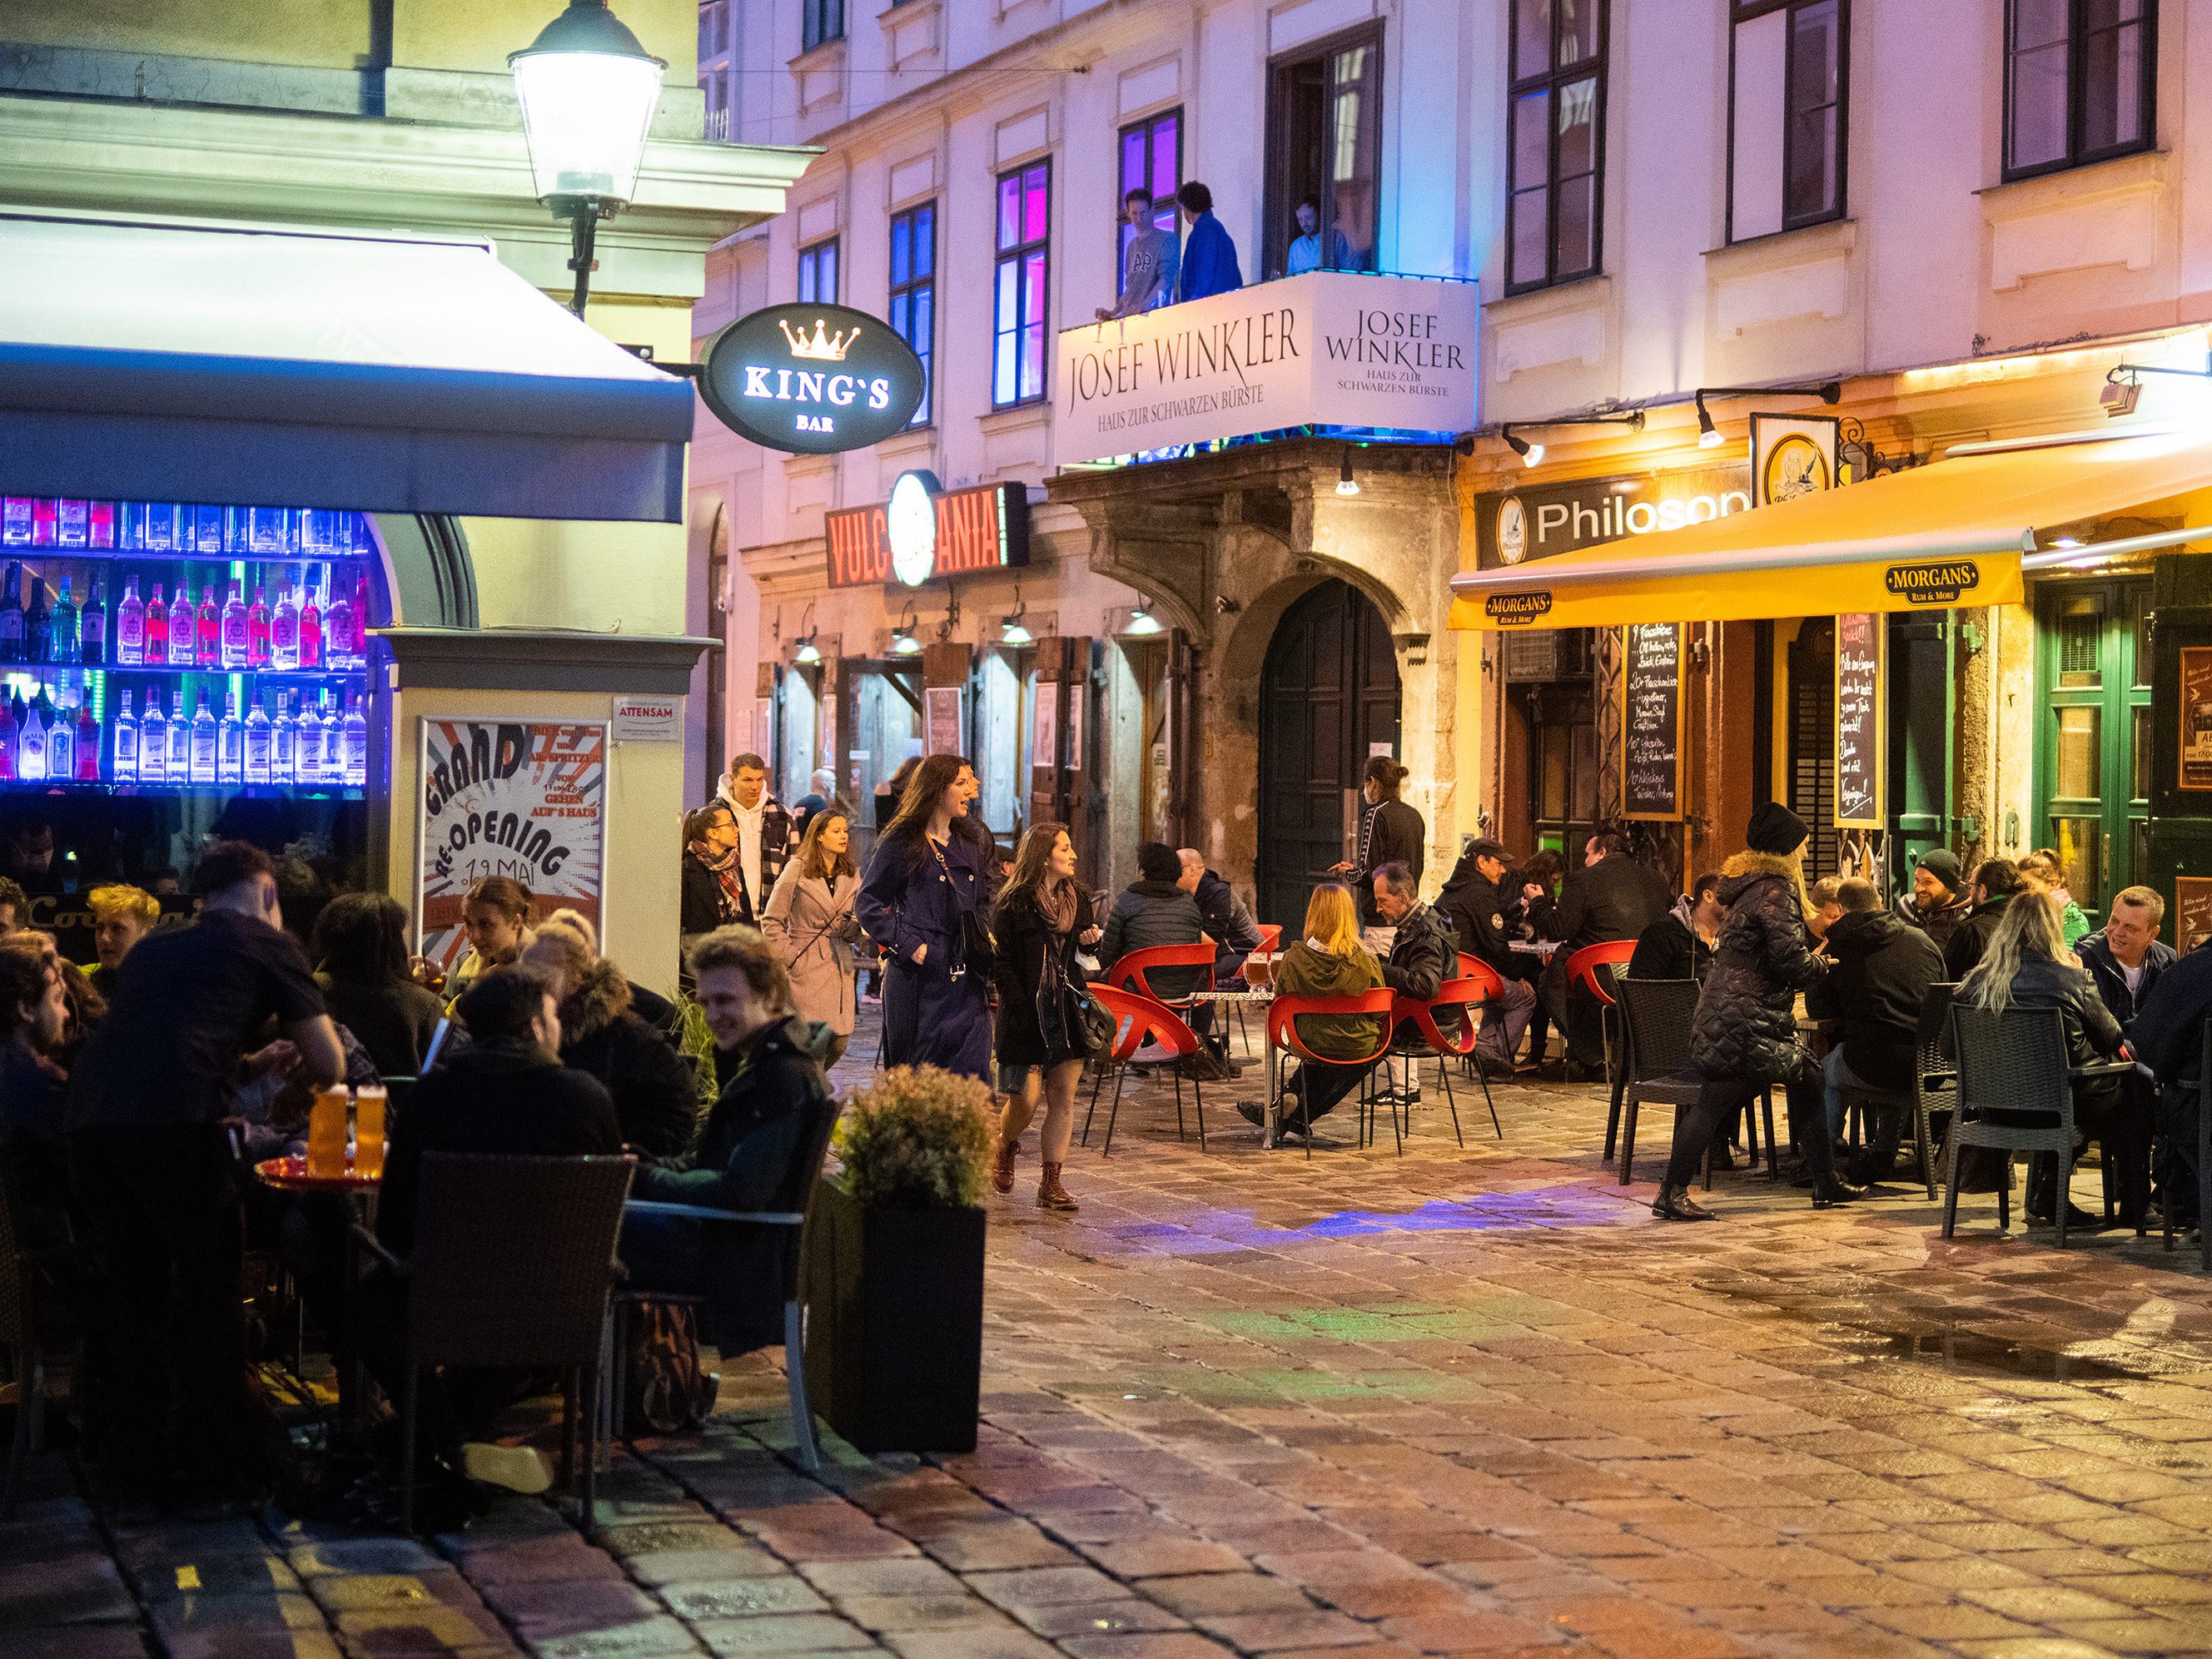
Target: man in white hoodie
[[764, 837]]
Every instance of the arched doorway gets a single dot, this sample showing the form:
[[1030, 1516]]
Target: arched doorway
[[1328, 698]]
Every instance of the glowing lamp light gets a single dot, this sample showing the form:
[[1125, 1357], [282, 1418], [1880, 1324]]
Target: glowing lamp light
[[1346, 484], [808, 652], [903, 643], [1709, 435], [1141, 620], [1011, 631], [1530, 454]]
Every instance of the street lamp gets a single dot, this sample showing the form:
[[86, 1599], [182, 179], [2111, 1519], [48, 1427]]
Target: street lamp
[[587, 91]]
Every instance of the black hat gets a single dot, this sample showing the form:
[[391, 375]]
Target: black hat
[[1776, 828], [1941, 863]]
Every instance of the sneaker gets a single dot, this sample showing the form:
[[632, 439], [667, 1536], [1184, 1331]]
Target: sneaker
[[517, 1468]]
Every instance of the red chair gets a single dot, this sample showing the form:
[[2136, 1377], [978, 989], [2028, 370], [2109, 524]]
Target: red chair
[[1128, 973], [1475, 968], [1271, 938], [1283, 1044], [1464, 998], [1138, 1021], [1586, 967]]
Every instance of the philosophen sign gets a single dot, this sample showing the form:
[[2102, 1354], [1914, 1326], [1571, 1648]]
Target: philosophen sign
[[1330, 348], [812, 380]]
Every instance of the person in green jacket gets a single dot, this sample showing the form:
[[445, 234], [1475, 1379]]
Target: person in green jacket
[[2042, 867], [1328, 962]]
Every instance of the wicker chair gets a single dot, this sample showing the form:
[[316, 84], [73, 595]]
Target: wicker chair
[[796, 1196], [1654, 1067], [28, 1324], [1935, 1085], [512, 1264]]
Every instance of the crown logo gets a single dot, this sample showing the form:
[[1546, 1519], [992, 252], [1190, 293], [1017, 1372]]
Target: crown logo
[[824, 347]]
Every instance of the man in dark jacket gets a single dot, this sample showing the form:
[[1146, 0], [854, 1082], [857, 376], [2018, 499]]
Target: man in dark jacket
[[1881, 970], [1996, 880], [1611, 897], [1680, 945], [1937, 906], [2125, 957], [1474, 901], [1227, 922], [1154, 910], [2167, 1036], [1423, 954]]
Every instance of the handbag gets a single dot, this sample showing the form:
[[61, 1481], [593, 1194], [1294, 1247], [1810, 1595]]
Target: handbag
[[668, 1391], [1099, 1028], [979, 949]]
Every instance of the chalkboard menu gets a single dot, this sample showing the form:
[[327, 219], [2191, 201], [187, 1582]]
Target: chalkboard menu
[[1652, 722], [1858, 721], [2192, 912]]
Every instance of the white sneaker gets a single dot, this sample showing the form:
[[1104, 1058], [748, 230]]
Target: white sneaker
[[517, 1468]]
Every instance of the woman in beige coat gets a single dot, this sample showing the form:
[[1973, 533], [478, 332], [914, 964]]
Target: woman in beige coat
[[809, 920]]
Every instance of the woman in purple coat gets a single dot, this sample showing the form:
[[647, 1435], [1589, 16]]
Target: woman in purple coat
[[923, 881]]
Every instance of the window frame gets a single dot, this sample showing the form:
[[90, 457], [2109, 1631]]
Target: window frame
[[820, 23], [1278, 205], [925, 416], [1018, 253], [1746, 11], [1145, 125], [810, 254], [1551, 81], [2077, 37]]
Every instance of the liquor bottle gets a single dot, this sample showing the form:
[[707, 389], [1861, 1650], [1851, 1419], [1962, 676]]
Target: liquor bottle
[[63, 641], [87, 743], [311, 626], [265, 531], [208, 528], [7, 740], [208, 629], [356, 743], [92, 627], [284, 742], [161, 526], [230, 743], [337, 628], [201, 766], [180, 742], [74, 526], [285, 630], [361, 621], [45, 516], [61, 739], [182, 653], [31, 744], [235, 634], [16, 521], [257, 631], [38, 623], [311, 745], [11, 615], [125, 767], [102, 524], [153, 742], [258, 736], [130, 634]]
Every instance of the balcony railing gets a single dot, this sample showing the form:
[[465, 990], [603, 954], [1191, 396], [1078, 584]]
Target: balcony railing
[[718, 126]]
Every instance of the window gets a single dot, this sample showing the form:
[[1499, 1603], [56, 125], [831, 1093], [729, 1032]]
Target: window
[[1017, 301], [912, 312], [818, 274], [2079, 81], [1151, 159], [820, 20], [1324, 154], [713, 30], [1555, 142], [1789, 78]]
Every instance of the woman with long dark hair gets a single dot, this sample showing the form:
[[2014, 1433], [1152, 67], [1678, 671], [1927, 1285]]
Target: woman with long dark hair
[[1041, 919], [361, 962], [809, 922], [923, 900]]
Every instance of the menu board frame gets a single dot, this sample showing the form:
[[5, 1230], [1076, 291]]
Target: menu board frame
[[1645, 810], [2192, 911], [2193, 762], [1873, 814]]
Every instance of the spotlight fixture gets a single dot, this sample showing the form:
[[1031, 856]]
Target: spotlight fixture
[[1142, 619], [1709, 435], [808, 654], [1530, 454], [1346, 484], [903, 643]]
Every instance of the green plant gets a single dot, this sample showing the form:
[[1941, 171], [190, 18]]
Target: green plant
[[917, 1139], [696, 1042]]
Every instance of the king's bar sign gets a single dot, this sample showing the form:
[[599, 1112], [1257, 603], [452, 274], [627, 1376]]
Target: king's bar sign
[[1328, 348], [812, 380]]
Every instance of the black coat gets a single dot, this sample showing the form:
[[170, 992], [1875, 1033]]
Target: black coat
[[1615, 898], [1671, 948], [1476, 905], [1148, 913], [704, 906], [655, 1092], [1940, 923], [2168, 1034], [2111, 979], [1880, 971], [394, 1019], [1971, 938], [1036, 961], [1423, 956], [1747, 1021], [1393, 834], [1227, 923], [2092, 1033]]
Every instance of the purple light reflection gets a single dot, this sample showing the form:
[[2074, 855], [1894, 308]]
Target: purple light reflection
[[1212, 1232]]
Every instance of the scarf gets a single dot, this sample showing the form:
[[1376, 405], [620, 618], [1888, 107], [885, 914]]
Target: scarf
[[1056, 902], [727, 875]]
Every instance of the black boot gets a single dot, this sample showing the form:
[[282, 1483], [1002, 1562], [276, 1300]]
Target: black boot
[[1675, 1204], [1827, 1190]]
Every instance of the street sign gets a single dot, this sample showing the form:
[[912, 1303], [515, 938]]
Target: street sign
[[812, 380]]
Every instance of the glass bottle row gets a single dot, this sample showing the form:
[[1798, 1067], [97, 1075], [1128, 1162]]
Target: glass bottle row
[[182, 528], [310, 631], [320, 746]]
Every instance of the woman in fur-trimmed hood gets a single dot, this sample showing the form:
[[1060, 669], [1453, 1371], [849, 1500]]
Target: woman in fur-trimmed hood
[[656, 1094]]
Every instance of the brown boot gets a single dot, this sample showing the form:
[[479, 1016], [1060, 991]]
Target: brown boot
[[1051, 1196], [1002, 1171]]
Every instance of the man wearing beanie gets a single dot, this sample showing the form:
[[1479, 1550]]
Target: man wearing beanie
[[1745, 1037], [1938, 903]]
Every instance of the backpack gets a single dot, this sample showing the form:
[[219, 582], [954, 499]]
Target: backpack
[[664, 1389]]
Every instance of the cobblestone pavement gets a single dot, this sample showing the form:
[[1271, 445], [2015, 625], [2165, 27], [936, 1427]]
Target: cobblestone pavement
[[1455, 1401]]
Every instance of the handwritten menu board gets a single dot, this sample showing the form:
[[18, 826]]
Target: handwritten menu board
[[2192, 912], [2195, 772], [1858, 721], [1652, 722]]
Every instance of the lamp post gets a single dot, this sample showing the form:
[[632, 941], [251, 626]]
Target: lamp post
[[587, 91]]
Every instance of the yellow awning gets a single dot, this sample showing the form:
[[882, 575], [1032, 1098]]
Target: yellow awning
[[1953, 532]]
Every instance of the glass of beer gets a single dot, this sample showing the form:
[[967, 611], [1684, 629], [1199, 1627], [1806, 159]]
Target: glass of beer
[[368, 1102], [326, 1134]]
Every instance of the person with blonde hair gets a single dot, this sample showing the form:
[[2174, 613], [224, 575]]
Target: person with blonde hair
[[2042, 866], [655, 1093], [809, 922], [121, 916], [1329, 961]]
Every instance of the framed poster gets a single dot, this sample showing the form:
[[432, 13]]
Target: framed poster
[[2192, 912], [1859, 750], [1044, 729], [1792, 455], [2196, 705], [524, 798], [941, 705], [1652, 693], [1075, 725]]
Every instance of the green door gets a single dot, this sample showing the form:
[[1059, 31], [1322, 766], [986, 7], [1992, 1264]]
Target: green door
[[2093, 756]]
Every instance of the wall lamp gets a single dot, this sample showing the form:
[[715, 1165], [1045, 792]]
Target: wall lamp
[[1532, 454], [1708, 436], [1346, 484]]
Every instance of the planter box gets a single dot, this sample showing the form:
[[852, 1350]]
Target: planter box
[[895, 1323]]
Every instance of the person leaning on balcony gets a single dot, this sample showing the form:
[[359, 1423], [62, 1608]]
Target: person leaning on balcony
[[1306, 248], [1209, 257], [1151, 264]]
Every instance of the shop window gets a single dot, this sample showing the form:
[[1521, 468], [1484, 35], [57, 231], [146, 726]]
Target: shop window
[[1151, 160], [2080, 81], [1790, 86], [1325, 150], [820, 20], [913, 309], [1019, 307], [1555, 142], [818, 274]]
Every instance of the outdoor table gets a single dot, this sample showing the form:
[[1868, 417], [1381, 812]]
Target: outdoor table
[[1252, 999], [290, 1174]]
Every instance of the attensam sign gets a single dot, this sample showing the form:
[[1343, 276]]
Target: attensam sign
[[812, 380], [1330, 348]]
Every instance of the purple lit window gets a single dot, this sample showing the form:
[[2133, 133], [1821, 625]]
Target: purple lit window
[[1019, 307]]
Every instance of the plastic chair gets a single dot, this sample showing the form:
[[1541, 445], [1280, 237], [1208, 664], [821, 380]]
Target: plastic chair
[[1654, 1067], [1591, 968], [799, 1187], [2204, 1159], [1935, 1085], [1271, 941], [1128, 973], [512, 1265], [1464, 997], [1282, 1044], [1139, 1021]]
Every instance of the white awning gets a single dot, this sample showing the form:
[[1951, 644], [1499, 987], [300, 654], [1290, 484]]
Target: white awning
[[372, 373]]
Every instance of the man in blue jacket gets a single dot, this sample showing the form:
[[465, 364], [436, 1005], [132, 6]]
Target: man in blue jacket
[[1209, 257]]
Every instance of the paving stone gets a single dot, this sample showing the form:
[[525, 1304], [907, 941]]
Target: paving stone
[[782, 1635], [657, 1637], [736, 1598]]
